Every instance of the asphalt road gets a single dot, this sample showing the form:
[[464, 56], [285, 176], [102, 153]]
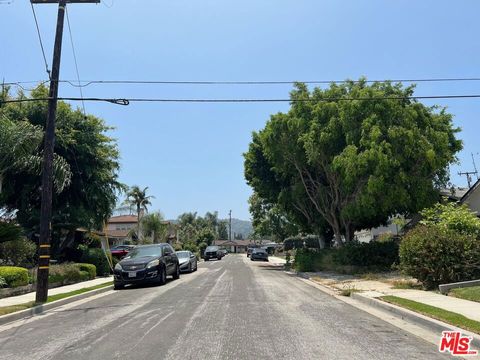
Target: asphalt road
[[228, 309]]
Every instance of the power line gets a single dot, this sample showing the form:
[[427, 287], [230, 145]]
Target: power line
[[127, 101], [75, 61], [41, 42], [289, 82]]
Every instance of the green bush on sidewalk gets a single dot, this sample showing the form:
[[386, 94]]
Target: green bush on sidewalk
[[69, 273], [436, 255], [14, 276]]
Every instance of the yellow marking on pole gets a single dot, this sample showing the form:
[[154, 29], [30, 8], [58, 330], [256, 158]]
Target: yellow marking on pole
[[44, 256], [43, 267], [44, 245]]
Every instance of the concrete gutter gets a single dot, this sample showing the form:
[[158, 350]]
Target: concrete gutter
[[4, 319], [423, 321], [445, 288], [429, 324]]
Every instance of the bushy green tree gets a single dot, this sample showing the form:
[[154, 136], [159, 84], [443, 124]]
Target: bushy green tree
[[89, 154], [353, 155]]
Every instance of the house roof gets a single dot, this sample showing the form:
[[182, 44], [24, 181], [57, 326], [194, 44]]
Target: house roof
[[470, 191], [454, 193], [122, 219], [233, 242], [117, 233]]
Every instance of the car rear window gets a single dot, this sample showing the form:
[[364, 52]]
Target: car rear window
[[142, 251]]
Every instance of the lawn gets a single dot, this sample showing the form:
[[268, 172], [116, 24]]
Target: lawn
[[436, 313], [470, 293], [14, 308]]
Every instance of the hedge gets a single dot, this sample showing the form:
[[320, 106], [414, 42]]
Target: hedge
[[381, 255], [14, 276], [96, 257], [437, 256], [89, 268], [70, 273]]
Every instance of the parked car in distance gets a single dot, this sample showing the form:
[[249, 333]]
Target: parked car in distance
[[120, 251], [223, 252], [187, 261], [147, 264], [250, 250], [212, 252], [259, 254]]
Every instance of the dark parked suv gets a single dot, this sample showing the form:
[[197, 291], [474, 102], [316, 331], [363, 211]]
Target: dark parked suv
[[147, 264], [212, 252], [259, 254]]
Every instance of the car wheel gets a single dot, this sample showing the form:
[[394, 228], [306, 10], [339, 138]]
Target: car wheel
[[176, 274], [190, 268], [219, 258], [252, 259], [206, 259], [117, 286], [162, 277]]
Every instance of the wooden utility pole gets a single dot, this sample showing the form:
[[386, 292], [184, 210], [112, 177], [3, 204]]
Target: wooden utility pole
[[49, 143], [230, 226]]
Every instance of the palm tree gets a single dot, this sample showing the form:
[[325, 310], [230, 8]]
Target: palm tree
[[154, 227], [139, 199], [20, 143]]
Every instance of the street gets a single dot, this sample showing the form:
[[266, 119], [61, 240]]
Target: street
[[228, 309]]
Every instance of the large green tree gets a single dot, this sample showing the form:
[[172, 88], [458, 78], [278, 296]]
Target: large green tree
[[90, 159], [353, 154], [269, 220]]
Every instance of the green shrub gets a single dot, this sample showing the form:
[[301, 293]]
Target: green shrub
[[20, 252], [14, 276], [437, 256], [69, 273], [300, 242], [452, 216], [177, 247], [90, 269], [294, 242], [190, 246], [96, 257], [378, 255], [305, 259], [3, 282]]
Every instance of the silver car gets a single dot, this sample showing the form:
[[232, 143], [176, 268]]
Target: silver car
[[187, 261]]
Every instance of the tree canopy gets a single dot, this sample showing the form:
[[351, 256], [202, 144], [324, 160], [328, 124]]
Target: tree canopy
[[89, 157], [350, 156]]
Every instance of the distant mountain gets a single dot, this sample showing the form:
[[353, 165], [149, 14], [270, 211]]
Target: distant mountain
[[243, 227]]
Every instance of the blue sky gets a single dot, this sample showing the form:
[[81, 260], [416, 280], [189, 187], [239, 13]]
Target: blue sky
[[190, 155]]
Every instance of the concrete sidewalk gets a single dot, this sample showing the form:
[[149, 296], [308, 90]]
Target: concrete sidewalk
[[384, 286], [22, 299]]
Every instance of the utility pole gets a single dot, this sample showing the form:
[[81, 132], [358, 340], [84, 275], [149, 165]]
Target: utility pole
[[49, 143], [469, 177], [230, 226]]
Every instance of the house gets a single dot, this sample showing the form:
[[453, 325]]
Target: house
[[119, 227], [234, 246], [467, 196], [471, 198]]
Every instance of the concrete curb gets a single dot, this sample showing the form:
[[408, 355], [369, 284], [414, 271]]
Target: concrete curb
[[4, 319], [420, 320], [423, 321]]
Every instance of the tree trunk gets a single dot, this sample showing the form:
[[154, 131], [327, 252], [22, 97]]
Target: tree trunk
[[337, 232]]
